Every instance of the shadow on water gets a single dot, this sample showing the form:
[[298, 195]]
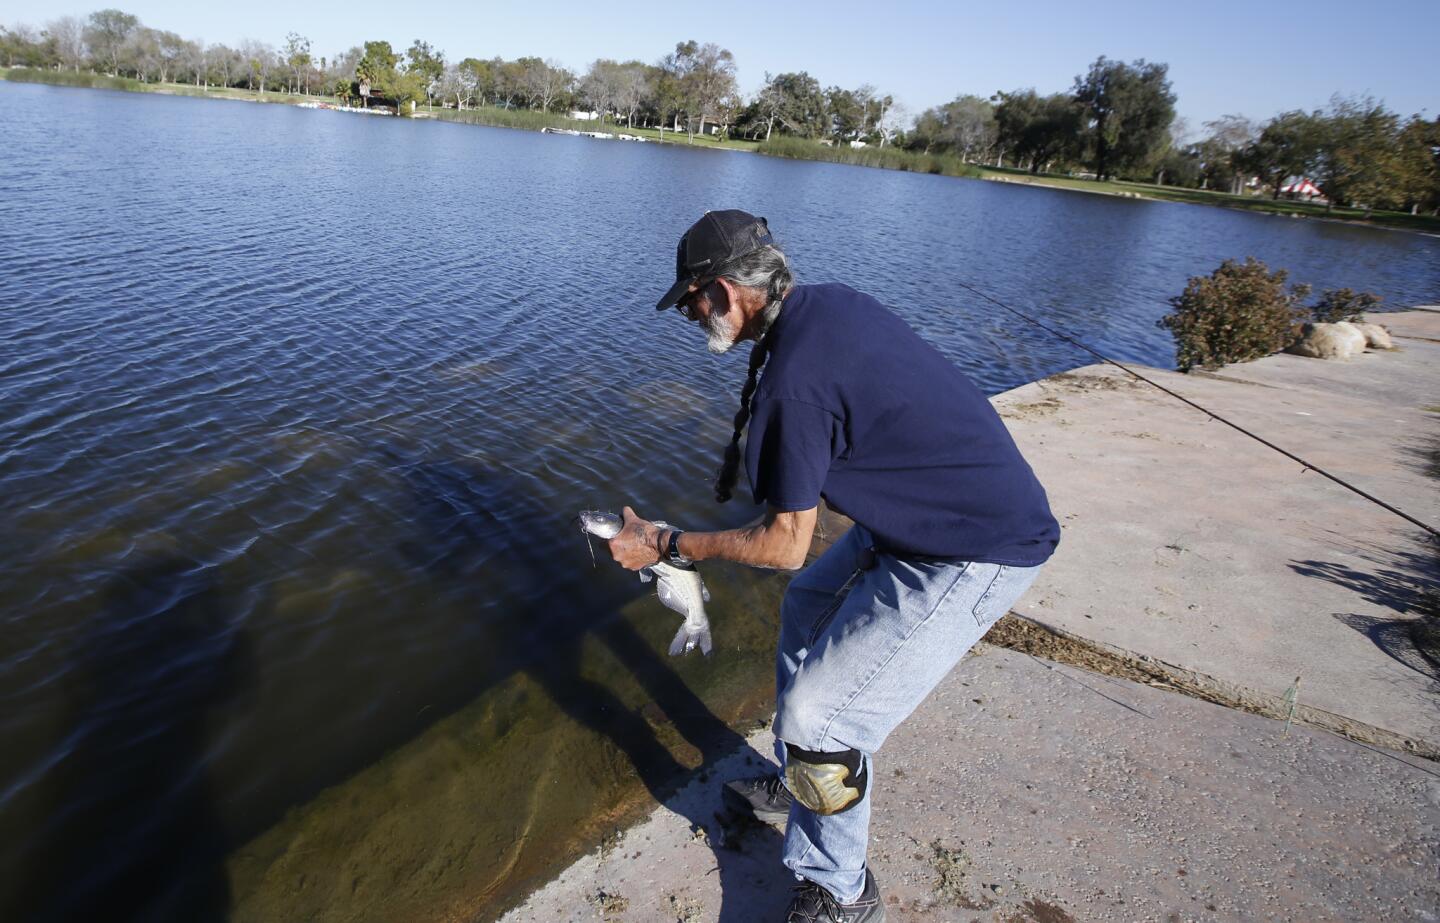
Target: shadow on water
[[1407, 582], [466, 517], [132, 831]]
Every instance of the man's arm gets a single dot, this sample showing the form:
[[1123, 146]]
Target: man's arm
[[778, 540]]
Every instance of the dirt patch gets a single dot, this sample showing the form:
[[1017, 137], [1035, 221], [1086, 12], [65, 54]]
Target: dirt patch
[[685, 909], [1029, 637], [1072, 381], [611, 906], [950, 865], [1038, 911], [1031, 410]]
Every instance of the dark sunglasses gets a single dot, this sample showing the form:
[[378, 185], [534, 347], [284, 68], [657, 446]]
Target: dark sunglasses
[[686, 306]]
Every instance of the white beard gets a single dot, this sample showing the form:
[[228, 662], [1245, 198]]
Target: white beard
[[721, 334]]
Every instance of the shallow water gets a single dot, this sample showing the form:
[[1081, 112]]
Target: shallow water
[[295, 408]]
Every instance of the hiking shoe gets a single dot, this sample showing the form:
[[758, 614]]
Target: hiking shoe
[[764, 798], [813, 904]]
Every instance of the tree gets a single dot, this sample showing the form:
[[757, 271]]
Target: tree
[[846, 112], [672, 84], [142, 52], [1037, 129], [170, 52], [1356, 149], [23, 46], [892, 123], [298, 60], [711, 80], [109, 29], [378, 75], [68, 33], [965, 125], [259, 60], [794, 102], [226, 64], [341, 76], [601, 85], [633, 85], [459, 83], [1417, 162], [1288, 146], [427, 64], [1129, 108], [542, 81], [477, 76], [1220, 153]]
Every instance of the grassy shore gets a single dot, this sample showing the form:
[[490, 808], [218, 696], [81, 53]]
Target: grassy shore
[[794, 148], [1254, 203], [887, 158], [88, 80]]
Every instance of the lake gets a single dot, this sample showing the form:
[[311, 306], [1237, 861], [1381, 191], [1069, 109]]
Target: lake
[[296, 409]]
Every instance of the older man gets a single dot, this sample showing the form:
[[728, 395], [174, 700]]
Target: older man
[[951, 527]]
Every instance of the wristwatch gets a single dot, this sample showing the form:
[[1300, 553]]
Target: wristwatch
[[672, 552]]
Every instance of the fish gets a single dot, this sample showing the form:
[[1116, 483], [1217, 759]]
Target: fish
[[679, 588]]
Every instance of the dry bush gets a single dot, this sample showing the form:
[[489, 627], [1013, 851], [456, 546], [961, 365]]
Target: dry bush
[[1239, 312]]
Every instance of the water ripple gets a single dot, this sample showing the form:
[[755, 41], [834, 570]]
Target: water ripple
[[295, 438]]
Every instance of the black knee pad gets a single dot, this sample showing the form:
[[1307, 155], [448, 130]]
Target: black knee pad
[[826, 783]]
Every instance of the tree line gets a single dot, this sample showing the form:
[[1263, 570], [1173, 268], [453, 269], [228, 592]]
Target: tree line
[[1117, 120]]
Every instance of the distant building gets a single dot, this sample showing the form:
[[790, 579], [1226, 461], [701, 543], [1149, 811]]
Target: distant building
[[858, 143], [1300, 187], [581, 115]]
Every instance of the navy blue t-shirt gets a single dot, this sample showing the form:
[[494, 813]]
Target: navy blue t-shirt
[[853, 406]]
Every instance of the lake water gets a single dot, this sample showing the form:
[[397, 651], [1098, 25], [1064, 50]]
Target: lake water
[[296, 408]]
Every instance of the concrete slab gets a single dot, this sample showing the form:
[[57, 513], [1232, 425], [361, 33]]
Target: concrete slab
[[1190, 544], [1026, 791]]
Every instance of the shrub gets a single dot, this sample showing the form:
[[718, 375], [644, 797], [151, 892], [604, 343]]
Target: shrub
[[1239, 312], [1337, 304]]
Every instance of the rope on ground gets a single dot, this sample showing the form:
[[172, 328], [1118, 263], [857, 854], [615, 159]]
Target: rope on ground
[[1305, 465]]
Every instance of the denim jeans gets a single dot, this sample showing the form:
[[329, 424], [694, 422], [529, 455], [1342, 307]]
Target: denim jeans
[[859, 650]]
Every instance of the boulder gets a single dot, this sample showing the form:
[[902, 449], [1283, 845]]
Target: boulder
[[1329, 341], [1376, 336]]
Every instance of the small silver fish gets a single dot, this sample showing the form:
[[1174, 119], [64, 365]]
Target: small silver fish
[[679, 588]]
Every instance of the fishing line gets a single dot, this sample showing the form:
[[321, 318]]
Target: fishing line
[[1307, 466]]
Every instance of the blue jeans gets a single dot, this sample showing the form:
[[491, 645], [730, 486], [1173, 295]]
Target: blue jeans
[[859, 650]]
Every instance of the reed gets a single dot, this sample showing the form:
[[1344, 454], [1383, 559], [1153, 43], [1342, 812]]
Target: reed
[[888, 158], [72, 79]]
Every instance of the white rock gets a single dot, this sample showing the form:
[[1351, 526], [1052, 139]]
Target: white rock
[[1376, 336], [1329, 341]]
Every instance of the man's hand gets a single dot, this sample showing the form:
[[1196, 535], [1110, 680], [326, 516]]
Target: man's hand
[[638, 544]]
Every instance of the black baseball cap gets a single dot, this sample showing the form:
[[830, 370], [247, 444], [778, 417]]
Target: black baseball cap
[[716, 239]]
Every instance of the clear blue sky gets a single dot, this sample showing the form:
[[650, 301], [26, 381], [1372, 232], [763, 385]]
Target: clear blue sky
[[1254, 58]]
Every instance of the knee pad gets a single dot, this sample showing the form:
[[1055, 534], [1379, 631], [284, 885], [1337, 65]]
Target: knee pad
[[826, 783]]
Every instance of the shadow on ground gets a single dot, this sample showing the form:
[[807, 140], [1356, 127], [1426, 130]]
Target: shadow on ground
[[1406, 582]]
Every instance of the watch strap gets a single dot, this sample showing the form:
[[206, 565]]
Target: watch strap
[[673, 549]]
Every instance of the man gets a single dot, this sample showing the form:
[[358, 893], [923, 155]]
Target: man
[[951, 527]]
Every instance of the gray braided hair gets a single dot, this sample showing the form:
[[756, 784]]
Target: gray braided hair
[[767, 269]]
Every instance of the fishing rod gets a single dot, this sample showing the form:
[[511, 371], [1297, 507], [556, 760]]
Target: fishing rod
[[1307, 466]]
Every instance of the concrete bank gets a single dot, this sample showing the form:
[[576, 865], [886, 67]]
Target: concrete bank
[[1028, 790]]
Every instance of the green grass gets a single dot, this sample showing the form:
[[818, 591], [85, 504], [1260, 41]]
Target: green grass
[[1253, 203], [95, 81], [887, 158]]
